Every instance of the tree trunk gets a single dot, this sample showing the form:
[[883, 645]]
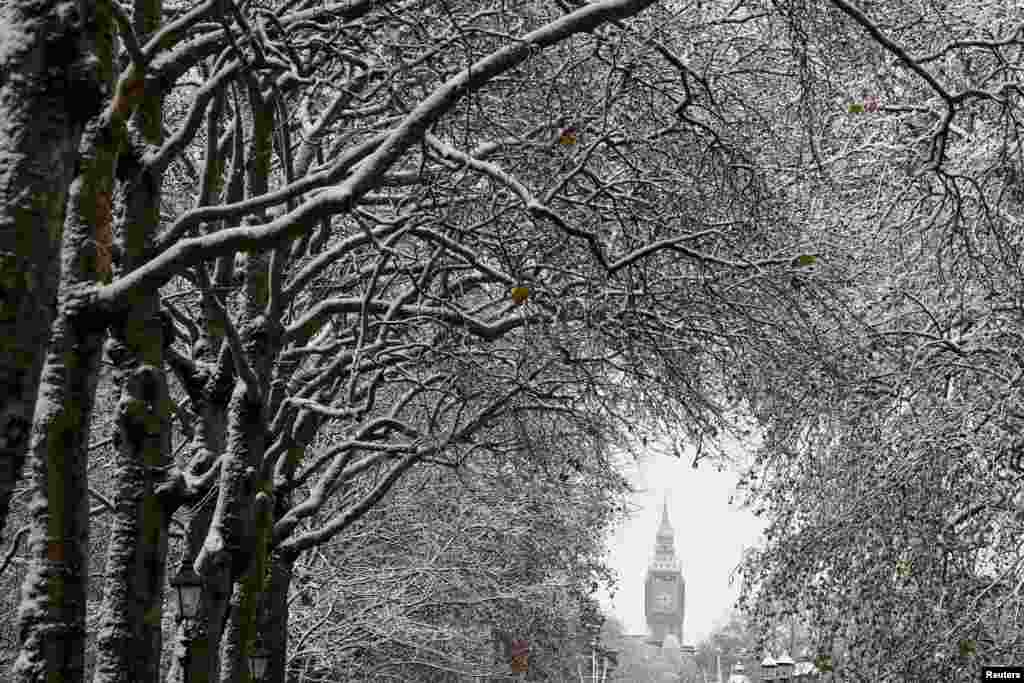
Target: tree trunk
[[275, 616], [227, 551], [242, 631], [52, 610], [128, 646], [241, 529], [232, 644], [50, 86], [129, 640], [53, 606], [242, 523]]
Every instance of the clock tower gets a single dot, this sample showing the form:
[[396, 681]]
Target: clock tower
[[664, 589]]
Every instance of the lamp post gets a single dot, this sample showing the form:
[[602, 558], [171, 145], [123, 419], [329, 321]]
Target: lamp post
[[592, 623], [259, 662], [602, 662], [188, 588], [188, 591]]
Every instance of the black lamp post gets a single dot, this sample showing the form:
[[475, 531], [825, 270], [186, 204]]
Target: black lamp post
[[611, 662], [599, 664], [188, 588], [259, 662]]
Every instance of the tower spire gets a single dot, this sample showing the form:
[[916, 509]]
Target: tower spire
[[665, 526], [665, 541]]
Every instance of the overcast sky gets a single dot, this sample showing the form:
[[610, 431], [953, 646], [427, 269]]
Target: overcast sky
[[710, 537]]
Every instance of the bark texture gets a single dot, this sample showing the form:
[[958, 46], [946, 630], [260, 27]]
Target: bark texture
[[129, 641], [53, 602], [244, 617], [227, 551], [240, 530], [51, 618], [50, 86], [275, 615]]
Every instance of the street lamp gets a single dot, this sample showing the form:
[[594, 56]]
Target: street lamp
[[188, 588], [784, 668], [768, 668], [259, 662], [611, 661], [602, 662]]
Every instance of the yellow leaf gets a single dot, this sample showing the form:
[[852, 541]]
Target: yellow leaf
[[520, 294], [903, 568]]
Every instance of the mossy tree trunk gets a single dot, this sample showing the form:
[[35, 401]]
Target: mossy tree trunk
[[274, 618], [129, 642], [50, 86], [241, 528], [243, 626], [51, 619]]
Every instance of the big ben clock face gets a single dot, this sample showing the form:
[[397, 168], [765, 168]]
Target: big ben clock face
[[664, 595]]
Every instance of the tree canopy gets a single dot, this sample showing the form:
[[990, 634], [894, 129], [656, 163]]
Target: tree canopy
[[355, 289]]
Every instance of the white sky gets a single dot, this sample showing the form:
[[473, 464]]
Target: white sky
[[710, 537]]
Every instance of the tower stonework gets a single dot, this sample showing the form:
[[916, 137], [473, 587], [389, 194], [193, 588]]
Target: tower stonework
[[664, 589]]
